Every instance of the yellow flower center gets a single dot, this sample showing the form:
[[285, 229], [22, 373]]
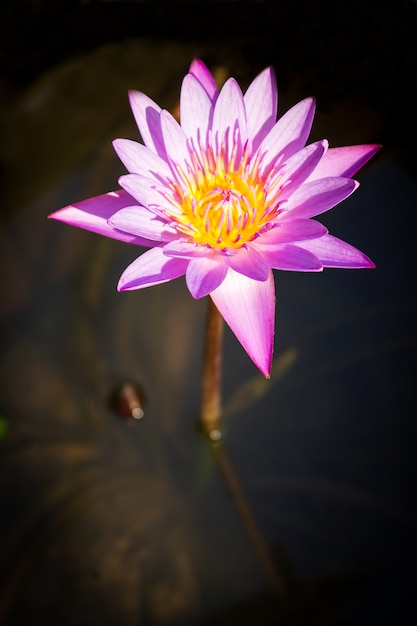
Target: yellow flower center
[[223, 205]]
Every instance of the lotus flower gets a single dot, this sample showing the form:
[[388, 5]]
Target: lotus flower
[[226, 196]]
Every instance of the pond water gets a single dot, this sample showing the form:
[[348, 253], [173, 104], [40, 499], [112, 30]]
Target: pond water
[[109, 520]]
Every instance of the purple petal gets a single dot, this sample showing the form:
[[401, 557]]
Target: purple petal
[[291, 231], [290, 133], [146, 191], [204, 275], [248, 307], [249, 262], [185, 249], [175, 142], [334, 252], [344, 161], [317, 196], [196, 109], [299, 167], [204, 77], [151, 268], [93, 214], [229, 114], [261, 101], [291, 258], [140, 160], [147, 116], [139, 221]]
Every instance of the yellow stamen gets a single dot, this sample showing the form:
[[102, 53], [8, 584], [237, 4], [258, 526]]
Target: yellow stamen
[[223, 203]]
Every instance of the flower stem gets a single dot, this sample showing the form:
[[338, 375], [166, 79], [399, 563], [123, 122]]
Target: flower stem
[[210, 416], [211, 408]]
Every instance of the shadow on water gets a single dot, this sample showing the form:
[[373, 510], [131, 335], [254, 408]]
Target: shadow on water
[[107, 519]]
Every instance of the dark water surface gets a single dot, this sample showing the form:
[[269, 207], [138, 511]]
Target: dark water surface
[[112, 521]]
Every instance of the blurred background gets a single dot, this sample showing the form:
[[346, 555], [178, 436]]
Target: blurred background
[[109, 520]]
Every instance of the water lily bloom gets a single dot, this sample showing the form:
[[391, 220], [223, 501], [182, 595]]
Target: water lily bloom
[[226, 196]]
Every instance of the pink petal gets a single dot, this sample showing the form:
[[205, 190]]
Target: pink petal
[[317, 196], [289, 257], [291, 231], [334, 252], [290, 133], [344, 161], [151, 268], [204, 275], [204, 77], [248, 307], [138, 159], [147, 116], [261, 102], [139, 221], [93, 214], [249, 262], [196, 109]]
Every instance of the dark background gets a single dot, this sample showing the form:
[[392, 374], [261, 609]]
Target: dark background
[[361, 50], [107, 521]]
